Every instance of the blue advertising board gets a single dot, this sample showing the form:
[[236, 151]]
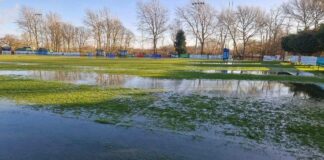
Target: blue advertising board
[[226, 54], [111, 55], [42, 51], [320, 61], [123, 53], [155, 55]]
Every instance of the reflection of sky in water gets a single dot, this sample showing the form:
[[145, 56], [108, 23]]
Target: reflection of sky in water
[[238, 72], [210, 87], [222, 87], [30, 134], [321, 85], [210, 121], [300, 73]]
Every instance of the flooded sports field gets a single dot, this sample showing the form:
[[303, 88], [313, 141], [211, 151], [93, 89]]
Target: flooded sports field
[[157, 118], [162, 80], [152, 109]]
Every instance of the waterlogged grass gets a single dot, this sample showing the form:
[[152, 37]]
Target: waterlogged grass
[[56, 94], [160, 68], [286, 121], [310, 131]]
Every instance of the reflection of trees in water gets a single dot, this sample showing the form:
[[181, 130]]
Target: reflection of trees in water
[[311, 90], [222, 87], [57, 75], [110, 80], [97, 78], [240, 87]]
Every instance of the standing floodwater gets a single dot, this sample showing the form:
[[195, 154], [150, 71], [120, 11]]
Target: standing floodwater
[[161, 80], [29, 135], [202, 86], [154, 118]]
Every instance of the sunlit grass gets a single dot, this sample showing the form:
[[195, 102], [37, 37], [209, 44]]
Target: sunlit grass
[[310, 68], [27, 91], [285, 63]]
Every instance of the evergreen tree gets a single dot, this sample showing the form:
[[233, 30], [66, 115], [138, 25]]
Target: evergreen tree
[[287, 43], [304, 43], [180, 43]]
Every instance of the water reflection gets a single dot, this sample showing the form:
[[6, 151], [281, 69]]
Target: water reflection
[[237, 88], [239, 72], [291, 73], [34, 135], [19, 63], [273, 113]]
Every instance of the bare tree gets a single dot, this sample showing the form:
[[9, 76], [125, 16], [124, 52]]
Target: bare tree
[[116, 32], [25, 38], [228, 19], [307, 12], [68, 34], [10, 40], [29, 20], [273, 29], [153, 20], [317, 7], [107, 27], [200, 18], [221, 37], [81, 36], [54, 26], [94, 21], [250, 21], [44, 33], [128, 39]]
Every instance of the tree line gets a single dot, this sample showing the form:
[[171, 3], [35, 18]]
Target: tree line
[[49, 31], [246, 29]]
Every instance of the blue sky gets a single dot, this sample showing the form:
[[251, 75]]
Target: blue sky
[[72, 11]]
